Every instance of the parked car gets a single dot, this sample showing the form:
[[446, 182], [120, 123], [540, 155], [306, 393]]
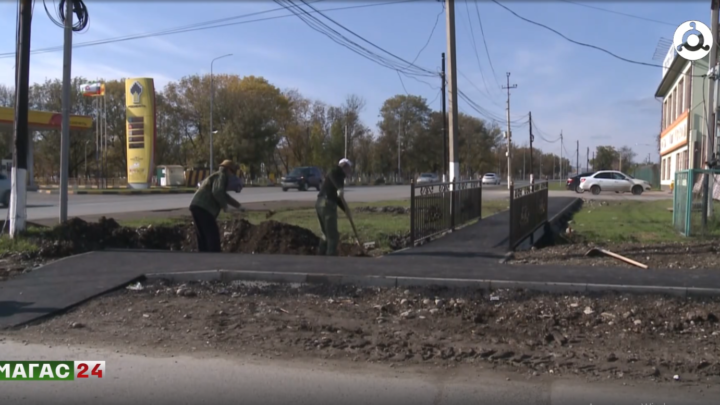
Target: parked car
[[574, 182], [491, 178], [5, 187], [425, 178], [611, 180], [302, 178]]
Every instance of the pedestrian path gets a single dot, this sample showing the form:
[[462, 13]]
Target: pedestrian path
[[485, 239]]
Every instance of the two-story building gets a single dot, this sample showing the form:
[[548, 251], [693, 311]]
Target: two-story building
[[683, 124]]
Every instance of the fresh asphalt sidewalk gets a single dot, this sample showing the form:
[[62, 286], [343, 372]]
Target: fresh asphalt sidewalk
[[139, 376]]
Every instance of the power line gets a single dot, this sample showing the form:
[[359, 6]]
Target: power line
[[577, 42], [477, 57], [487, 50], [620, 13], [410, 64], [199, 27], [432, 32]]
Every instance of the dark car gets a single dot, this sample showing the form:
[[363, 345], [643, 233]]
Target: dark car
[[302, 178], [574, 182]]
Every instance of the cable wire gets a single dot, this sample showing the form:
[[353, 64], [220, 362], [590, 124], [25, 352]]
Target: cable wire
[[487, 50], [621, 13], [477, 56], [432, 32], [82, 17], [199, 27], [578, 42]]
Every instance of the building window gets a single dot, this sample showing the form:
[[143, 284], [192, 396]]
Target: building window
[[688, 89], [665, 114], [680, 98], [686, 159]]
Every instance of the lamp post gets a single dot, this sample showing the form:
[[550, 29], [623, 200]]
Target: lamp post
[[212, 99]]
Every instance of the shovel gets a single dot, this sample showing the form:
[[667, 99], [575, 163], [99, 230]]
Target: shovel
[[352, 223]]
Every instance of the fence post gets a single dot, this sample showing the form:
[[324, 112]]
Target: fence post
[[412, 213], [452, 205], [690, 183], [512, 198]]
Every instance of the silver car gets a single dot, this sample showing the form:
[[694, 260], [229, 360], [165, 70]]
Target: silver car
[[4, 190], [426, 178], [612, 180], [491, 178]]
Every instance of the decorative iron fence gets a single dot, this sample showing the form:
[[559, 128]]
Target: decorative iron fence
[[693, 213], [528, 211], [440, 207]]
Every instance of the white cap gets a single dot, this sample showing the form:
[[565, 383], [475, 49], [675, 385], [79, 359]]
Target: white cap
[[344, 162]]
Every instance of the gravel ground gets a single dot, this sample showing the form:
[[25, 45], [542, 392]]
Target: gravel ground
[[596, 337], [669, 255]]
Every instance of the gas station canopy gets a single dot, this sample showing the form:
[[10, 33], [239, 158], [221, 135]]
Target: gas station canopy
[[41, 120]]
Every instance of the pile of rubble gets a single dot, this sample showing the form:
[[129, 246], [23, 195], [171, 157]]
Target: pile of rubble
[[608, 336]]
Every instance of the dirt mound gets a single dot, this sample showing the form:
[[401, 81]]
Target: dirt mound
[[271, 237], [77, 236], [239, 236]]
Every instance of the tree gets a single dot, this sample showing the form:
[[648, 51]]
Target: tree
[[626, 157], [605, 157]]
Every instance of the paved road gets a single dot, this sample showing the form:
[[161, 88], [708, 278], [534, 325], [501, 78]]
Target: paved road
[[44, 206], [184, 380]]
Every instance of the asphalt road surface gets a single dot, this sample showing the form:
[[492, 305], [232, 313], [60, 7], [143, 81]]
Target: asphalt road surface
[[46, 206], [145, 379]]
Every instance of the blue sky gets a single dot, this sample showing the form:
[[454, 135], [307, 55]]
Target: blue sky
[[592, 97]]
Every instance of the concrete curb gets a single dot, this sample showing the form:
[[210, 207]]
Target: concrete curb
[[118, 192], [399, 281]]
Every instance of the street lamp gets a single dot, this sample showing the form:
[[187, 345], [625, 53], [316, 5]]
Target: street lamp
[[212, 97]]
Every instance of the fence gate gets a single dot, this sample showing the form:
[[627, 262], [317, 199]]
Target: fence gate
[[528, 211], [436, 208], [690, 202]]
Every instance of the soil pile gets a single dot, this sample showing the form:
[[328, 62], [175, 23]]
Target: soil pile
[[239, 236], [77, 236], [598, 337]]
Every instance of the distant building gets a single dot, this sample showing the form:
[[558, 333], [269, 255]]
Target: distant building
[[683, 124]]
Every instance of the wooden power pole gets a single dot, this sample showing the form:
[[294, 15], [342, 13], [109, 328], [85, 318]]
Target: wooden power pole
[[454, 166]]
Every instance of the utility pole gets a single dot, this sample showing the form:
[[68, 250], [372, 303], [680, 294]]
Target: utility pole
[[509, 134], [587, 160], [346, 140], [453, 164], [712, 123], [65, 135], [532, 139], [18, 194], [577, 156], [561, 157], [444, 128], [398, 148], [593, 160]]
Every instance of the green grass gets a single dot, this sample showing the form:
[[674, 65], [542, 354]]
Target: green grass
[[555, 185], [19, 244], [625, 221]]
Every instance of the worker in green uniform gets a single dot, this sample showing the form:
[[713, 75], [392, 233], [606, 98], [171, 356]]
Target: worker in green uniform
[[328, 201], [209, 200]]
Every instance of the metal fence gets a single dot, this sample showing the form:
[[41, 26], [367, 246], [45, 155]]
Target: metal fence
[[693, 213], [649, 173], [528, 211], [440, 207]]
